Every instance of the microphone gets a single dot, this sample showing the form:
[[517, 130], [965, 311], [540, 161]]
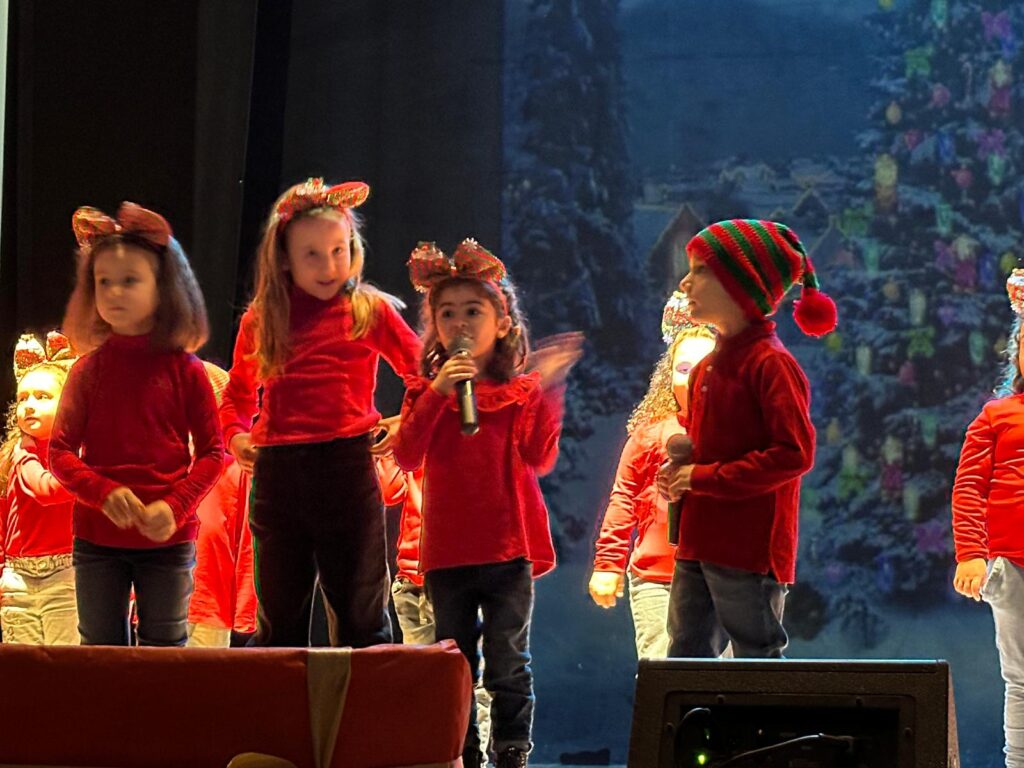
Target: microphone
[[680, 451], [464, 389]]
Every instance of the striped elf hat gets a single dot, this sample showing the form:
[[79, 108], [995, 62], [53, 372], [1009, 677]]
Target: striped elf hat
[[757, 262]]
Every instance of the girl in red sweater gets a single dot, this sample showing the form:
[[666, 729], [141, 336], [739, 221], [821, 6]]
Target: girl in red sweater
[[311, 340], [988, 522], [121, 437], [635, 506], [485, 533], [37, 585]]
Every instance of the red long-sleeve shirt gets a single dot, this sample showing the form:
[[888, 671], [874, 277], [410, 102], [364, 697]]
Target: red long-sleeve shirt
[[988, 493], [124, 419], [481, 499], [35, 518], [636, 506], [752, 441], [326, 388], [405, 488]]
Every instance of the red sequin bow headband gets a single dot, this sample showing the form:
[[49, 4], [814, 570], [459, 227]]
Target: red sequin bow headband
[[28, 352], [91, 224], [428, 264], [314, 194]]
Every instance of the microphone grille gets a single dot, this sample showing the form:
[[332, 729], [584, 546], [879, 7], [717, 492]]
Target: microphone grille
[[460, 344]]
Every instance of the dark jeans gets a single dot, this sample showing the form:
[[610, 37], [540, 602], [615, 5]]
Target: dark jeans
[[317, 512], [502, 594], [163, 585], [709, 605]]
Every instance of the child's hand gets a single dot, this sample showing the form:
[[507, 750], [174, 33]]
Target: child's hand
[[389, 427], [460, 367], [123, 507], [243, 450], [605, 587], [674, 480], [157, 523], [970, 577], [554, 356]]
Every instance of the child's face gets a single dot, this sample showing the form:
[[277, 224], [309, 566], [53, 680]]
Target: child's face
[[687, 354], [38, 394], [320, 254], [709, 302], [126, 292], [466, 310]]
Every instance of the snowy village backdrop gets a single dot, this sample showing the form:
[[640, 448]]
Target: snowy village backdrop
[[887, 133]]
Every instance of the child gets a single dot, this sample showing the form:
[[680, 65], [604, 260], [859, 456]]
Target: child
[[988, 523], [635, 505], [121, 438], [485, 527], [37, 587], [224, 600], [312, 338], [752, 441]]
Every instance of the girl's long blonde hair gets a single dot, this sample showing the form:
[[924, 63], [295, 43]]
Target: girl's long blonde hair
[[12, 433], [660, 402], [271, 302]]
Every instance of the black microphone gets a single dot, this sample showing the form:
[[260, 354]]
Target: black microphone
[[464, 389], [680, 451]]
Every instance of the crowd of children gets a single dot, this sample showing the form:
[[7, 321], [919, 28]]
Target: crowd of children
[[149, 497]]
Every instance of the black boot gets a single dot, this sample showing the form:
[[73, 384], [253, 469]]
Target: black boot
[[471, 758], [511, 757]]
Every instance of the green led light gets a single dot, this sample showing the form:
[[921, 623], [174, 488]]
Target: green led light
[[702, 758]]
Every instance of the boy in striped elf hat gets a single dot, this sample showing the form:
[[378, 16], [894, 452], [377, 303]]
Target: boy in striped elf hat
[[752, 441]]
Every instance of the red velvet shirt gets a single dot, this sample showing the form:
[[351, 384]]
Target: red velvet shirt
[[636, 506], [124, 419], [326, 388], [405, 488], [481, 499], [35, 517], [752, 441], [988, 493]]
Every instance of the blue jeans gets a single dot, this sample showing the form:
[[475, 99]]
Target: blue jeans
[[1004, 592], [502, 594], [711, 605], [163, 585]]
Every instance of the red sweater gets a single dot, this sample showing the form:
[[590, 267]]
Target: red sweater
[[326, 388], [481, 499], [752, 441], [405, 488], [124, 419], [988, 493], [35, 518], [636, 505]]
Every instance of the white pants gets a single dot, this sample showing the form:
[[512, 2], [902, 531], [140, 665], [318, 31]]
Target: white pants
[[1004, 592], [38, 610]]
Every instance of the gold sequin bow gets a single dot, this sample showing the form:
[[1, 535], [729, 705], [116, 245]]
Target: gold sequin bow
[[428, 264], [315, 194], [28, 352], [91, 224]]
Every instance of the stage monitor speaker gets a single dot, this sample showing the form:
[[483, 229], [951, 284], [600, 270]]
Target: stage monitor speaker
[[793, 714]]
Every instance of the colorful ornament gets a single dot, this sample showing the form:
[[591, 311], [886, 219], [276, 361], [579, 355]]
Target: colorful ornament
[[940, 13], [1007, 262], [886, 176], [911, 501], [965, 250], [946, 147], [907, 375], [854, 222], [918, 61], [834, 342], [833, 433], [872, 256], [940, 96], [933, 537], [863, 359], [885, 5], [891, 478], [963, 176], [996, 168], [929, 424], [1015, 291], [920, 342], [893, 113], [891, 290], [918, 305], [947, 314], [991, 142], [987, 267], [977, 346], [1000, 82], [944, 218]]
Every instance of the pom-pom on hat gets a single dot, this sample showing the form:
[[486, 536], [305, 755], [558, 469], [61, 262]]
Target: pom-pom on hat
[[219, 379], [676, 317], [757, 262], [1015, 290]]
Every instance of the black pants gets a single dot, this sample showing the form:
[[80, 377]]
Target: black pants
[[502, 594], [317, 511]]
